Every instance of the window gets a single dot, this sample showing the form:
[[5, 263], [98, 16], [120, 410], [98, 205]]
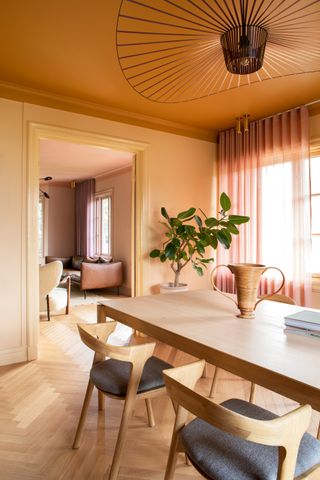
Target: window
[[315, 209], [103, 223], [41, 227]]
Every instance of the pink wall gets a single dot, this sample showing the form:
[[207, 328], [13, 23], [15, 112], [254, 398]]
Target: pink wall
[[120, 183], [61, 221]]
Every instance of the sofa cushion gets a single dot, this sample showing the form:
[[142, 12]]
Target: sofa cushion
[[94, 259], [76, 261], [66, 261], [105, 259]]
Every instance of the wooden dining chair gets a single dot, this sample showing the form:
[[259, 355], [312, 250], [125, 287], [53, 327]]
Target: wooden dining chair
[[277, 297], [236, 439], [129, 373]]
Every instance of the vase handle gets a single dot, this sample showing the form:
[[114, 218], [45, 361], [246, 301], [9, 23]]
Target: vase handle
[[216, 288], [276, 291]]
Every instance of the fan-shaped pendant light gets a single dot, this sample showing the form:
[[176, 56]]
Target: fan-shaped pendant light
[[181, 50]]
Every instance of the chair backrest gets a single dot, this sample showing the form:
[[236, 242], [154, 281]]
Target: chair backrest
[[285, 432], [137, 353], [49, 277]]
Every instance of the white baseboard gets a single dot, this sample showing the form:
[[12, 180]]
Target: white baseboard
[[13, 355]]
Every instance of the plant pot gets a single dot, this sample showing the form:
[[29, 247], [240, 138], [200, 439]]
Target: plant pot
[[170, 288]]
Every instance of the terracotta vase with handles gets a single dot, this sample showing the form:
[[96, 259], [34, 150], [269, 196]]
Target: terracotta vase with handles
[[247, 278]]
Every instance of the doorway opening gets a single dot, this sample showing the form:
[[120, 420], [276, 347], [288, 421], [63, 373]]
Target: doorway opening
[[41, 137]]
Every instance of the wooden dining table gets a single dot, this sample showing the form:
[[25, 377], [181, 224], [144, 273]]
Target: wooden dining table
[[205, 324]]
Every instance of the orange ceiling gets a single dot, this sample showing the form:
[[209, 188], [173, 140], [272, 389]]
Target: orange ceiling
[[66, 51]]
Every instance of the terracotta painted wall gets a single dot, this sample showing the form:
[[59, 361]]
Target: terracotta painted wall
[[121, 220], [13, 346], [61, 221], [180, 174]]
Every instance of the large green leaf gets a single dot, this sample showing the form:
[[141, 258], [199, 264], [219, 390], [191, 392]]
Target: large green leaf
[[198, 220], [155, 253], [232, 228], [170, 250], [176, 242], [164, 213], [163, 258], [238, 219], [211, 222], [213, 239], [198, 270], [174, 222], [227, 234], [223, 239], [225, 202], [186, 214]]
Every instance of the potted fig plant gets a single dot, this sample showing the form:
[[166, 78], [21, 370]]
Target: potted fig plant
[[189, 234]]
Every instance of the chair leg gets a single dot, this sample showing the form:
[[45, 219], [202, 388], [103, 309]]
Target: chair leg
[[214, 382], [101, 401], [126, 415], [252, 396], [172, 458], [83, 414], [151, 420], [48, 307]]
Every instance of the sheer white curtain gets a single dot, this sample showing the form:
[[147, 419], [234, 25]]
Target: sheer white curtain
[[266, 173]]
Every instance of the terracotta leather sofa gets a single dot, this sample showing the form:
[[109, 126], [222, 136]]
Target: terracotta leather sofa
[[90, 273]]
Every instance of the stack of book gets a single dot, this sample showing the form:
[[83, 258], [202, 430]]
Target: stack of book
[[306, 322]]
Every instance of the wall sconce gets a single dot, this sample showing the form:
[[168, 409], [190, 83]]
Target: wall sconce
[[242, 124]]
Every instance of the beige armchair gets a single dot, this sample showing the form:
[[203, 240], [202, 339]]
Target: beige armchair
[[53, 297]]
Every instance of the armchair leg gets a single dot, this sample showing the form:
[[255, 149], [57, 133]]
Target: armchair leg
[[68, 295], [85, 294], [48, 307]]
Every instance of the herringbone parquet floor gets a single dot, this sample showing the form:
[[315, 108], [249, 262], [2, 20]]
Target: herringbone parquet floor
[[40, 404]]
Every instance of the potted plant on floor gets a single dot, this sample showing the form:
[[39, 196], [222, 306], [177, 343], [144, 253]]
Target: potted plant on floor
[[189, 234]]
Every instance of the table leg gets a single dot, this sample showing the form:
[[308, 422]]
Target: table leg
[[101, 314]]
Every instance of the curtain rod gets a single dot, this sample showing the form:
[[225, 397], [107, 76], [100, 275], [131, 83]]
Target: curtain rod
[[278, 113], [288, 110]]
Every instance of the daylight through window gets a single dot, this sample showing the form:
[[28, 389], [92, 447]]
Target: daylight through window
[[103, 223]]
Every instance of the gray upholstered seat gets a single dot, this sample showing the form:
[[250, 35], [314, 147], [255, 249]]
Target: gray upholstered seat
[[222, 456], [112, 376]]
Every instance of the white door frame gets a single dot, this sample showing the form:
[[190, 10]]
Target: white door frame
[[140, 205]]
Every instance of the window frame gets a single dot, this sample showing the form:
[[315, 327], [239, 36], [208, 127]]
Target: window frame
[[99, 196]]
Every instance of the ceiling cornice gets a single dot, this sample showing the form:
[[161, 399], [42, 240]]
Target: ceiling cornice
[[71, 104]]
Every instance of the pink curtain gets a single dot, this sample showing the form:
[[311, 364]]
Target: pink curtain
[[85, 215], [266, 174]]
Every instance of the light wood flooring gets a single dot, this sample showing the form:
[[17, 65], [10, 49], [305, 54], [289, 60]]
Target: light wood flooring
[[40, 404]]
